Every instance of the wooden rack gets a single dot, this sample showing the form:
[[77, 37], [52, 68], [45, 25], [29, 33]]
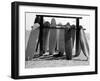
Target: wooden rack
[[77, 28]]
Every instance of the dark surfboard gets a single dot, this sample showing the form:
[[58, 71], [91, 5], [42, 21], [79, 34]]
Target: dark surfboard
[[68, 41], [78, 47], [45, 35]]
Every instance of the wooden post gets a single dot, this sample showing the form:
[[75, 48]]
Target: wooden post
[[41, 35], [78, 50]]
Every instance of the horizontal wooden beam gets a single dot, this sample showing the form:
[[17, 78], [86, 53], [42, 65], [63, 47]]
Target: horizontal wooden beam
[[61, 28], [60, 16]]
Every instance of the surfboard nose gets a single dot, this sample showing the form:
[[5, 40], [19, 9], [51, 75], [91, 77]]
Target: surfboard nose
[[53, 22], [46, 24], [68, 25], [73, 26]]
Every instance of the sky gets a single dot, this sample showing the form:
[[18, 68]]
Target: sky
[[30, 17]]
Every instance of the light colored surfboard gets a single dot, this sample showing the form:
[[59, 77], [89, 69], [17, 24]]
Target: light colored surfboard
[[84, 43], [32, 42], [68, 42], [73, 34], [52, 37], [61, 41]]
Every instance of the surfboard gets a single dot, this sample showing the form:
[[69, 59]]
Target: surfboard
[[52, 37], [61, 41], [84, 43], [57, 43], [32, 42], [78, 47], [45, 35], [68, 41], [73, 34]]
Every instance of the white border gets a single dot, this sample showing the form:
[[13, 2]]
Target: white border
[[37, 71]]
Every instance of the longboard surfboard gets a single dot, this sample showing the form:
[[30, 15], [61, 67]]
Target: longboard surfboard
[[32, 42], [52, 37], [73, 34], [57, 43], [68, 42], [84, 43], [61, 41], [45, 35], [78, 47]]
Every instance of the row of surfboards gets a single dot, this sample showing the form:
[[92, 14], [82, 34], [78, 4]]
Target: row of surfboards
[[61, 39]]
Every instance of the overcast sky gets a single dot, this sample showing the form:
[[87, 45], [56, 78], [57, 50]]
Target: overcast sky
[[85, 22]]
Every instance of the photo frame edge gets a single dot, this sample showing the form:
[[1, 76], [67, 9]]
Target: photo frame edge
[[15, 40]]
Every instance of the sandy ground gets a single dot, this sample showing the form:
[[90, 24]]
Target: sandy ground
[[49, 61], [54, 63]]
